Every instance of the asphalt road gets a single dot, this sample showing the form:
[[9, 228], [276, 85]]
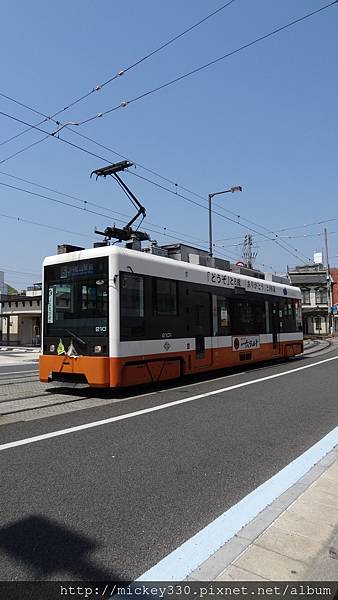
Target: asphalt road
[[110, 501]]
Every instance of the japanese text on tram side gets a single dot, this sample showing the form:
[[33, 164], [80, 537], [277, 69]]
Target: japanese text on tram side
[[230, 281]]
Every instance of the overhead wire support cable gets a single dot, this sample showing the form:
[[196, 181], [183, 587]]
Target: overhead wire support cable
[[146, 169], [146, 179], [125, 103], [141, 166], [47, 226], [84, 209], [118, 74], [162, 228], [137, 175], [276, 241], [182, 188]]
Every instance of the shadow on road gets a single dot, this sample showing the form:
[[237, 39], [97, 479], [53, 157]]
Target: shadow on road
[[83, 391], [46, 548]]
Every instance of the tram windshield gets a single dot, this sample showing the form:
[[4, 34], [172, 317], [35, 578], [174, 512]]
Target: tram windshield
[[76, 298]]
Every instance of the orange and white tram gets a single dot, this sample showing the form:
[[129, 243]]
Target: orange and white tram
[[115, 317]]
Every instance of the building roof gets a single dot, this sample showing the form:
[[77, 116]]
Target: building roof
[[308, 278]]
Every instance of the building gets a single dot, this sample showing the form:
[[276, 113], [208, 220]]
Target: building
[[334, 275], [20, 316], [316, 303]]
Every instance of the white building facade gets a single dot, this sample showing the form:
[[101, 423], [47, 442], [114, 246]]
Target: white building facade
[[21, 318]]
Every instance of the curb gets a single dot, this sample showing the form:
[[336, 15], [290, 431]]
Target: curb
[[212, 568]]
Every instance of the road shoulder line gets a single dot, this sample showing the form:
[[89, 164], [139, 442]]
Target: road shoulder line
[[232, 550], [183, 561]]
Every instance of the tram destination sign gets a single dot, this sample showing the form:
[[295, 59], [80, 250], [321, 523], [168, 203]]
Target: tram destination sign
[[231, 281]]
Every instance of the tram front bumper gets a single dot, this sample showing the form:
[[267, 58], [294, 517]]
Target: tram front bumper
[[95, 369]]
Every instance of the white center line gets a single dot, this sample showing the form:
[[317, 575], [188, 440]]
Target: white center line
[[52, 434]]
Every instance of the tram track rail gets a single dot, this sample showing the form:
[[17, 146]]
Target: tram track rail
[[39, 407]]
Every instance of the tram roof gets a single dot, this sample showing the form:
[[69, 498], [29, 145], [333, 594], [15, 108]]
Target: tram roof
[[172, 268]]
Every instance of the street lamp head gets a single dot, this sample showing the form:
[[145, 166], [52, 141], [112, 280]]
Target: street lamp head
[[237, 188]]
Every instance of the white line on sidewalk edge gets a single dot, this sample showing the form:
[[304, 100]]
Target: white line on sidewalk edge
[[52, 434]]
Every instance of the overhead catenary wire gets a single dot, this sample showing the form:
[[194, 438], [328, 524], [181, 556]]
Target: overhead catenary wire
[[84, 209], [45, 225], [125, 103], [276, 241], [118, 74], [274, 32], [158, 185], [154, 173], [171, 82], [163, 229], [293, 227], [17, 272]]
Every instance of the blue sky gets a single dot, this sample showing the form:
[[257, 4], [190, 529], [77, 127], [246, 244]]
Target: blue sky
[[265, 119]]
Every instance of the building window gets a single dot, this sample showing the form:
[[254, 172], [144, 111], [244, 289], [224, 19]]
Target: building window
[[165, 298], [318, 323], [306, 296], [321, 296], [30, 303]]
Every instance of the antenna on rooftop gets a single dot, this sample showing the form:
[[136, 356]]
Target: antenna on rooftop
[[134, 237]]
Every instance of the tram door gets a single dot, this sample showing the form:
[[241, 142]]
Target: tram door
[[200, 326], [275, 325]]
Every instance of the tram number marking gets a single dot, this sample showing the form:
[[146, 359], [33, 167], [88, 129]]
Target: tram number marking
[[167, 335], [100, 329]]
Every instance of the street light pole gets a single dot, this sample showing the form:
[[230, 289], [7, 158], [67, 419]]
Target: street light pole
[[328, 283], [236, 188]]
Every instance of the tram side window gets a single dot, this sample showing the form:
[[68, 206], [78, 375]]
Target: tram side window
[[132, 295], [287, 311], [247, 317], [165, 297], [200, 321], [132, 306], [223, 316], [298, 311]]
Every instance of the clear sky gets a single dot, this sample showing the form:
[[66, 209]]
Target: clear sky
[[265, 118]]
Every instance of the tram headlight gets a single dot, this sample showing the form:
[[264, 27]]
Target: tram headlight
[[97, 349], [52, 348]]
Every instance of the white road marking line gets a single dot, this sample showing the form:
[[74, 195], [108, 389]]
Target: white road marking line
[[52, 434], [178, 565]]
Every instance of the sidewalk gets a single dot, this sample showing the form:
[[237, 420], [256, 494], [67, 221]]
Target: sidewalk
[[293, 539]]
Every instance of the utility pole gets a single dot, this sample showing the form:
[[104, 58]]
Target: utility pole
[[248, 254], [328, 282]]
